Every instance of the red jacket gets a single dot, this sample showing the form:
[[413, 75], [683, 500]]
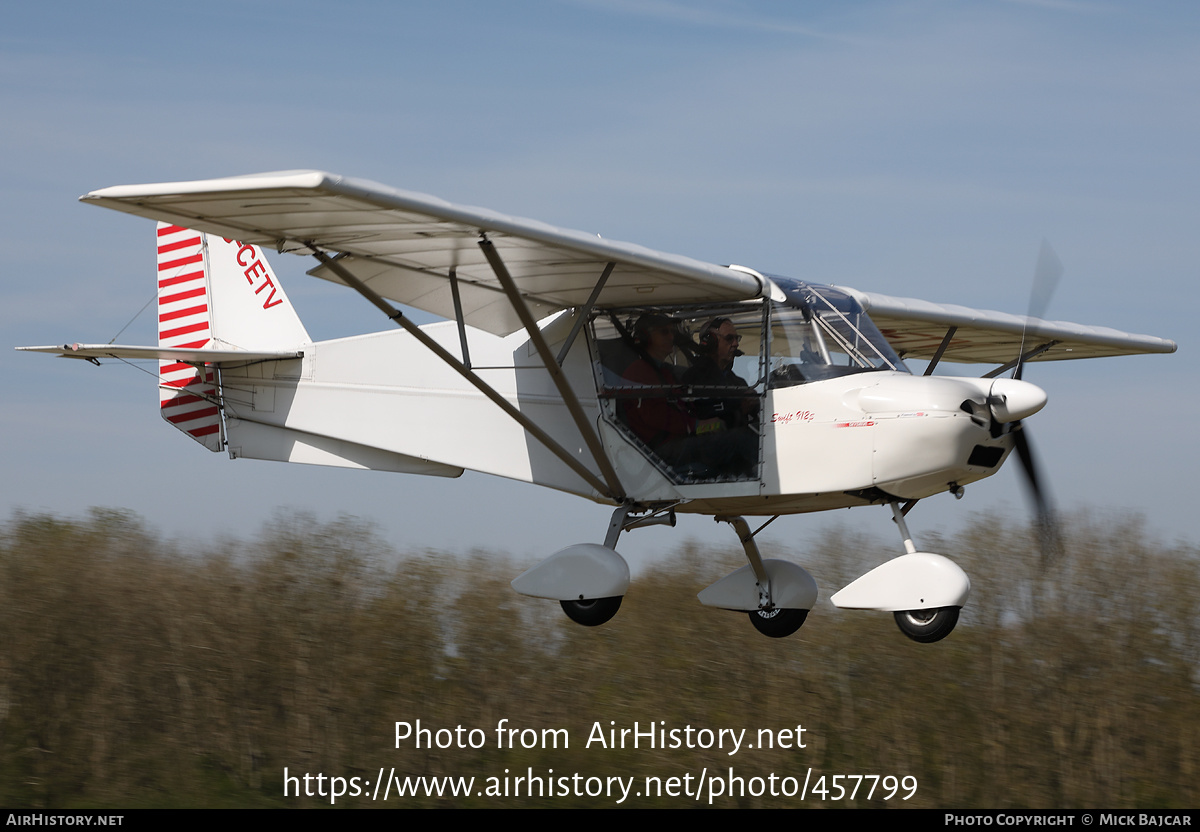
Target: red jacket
[[658, 416]]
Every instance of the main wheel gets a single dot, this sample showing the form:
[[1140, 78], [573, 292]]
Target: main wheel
[[592, 612], [927, 626], [777, 623]]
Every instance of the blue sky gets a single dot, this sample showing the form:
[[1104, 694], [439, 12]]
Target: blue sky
[[917, 149]]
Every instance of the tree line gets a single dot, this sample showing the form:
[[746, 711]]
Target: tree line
[[137, 672]]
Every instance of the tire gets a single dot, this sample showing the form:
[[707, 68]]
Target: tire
[[594, 611], [777, 623], [927, 626]]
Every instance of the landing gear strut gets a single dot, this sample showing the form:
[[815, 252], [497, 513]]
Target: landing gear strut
[[776, 594], [930, 625], [924, 591], [589, 580]]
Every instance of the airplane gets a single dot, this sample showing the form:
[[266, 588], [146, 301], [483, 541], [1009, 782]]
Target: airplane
[[650, 382]]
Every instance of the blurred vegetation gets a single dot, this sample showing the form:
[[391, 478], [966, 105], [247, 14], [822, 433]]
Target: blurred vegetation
[[136, 674]]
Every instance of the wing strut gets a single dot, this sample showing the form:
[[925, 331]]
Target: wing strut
[[937, 356], [584, 312], [1021, 359], [458, 316], [556, 374], [412, 329]]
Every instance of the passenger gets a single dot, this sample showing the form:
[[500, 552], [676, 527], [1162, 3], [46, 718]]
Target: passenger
[[661, 417]]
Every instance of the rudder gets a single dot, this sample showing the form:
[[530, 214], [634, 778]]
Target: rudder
[[213, 293]]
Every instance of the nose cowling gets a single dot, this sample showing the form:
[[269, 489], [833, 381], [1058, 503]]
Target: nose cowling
[[1011, 399], [1008, 400]]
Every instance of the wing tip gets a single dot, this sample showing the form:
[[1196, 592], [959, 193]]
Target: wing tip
[[297, 178]]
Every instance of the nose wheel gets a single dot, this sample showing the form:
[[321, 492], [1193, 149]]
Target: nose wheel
[[927, 626]]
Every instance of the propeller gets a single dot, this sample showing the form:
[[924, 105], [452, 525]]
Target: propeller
[[1046, 524], [1046, 276]]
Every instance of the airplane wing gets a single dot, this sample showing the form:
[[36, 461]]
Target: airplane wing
[[185, 356], [916, 329], [404, 245]]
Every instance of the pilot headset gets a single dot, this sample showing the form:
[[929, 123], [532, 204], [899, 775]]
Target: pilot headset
[[709, 335]]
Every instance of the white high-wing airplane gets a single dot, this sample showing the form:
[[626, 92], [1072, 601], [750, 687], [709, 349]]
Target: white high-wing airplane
[[647, 381]]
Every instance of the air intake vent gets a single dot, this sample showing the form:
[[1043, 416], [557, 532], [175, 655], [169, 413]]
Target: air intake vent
[[985, 457]]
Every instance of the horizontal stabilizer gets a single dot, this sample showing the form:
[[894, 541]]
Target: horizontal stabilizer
[[186, 356]]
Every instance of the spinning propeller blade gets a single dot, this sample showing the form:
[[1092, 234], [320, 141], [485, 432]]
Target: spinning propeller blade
[[1049, 537], [1046, 275]]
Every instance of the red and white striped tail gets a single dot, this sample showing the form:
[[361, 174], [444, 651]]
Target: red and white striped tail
[[187, 395]]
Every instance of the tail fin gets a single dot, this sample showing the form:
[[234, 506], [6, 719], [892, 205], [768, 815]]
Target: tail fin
[[220, 294]]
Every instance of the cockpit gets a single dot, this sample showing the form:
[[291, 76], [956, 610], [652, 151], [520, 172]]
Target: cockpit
[[821, 332], [695, 405]]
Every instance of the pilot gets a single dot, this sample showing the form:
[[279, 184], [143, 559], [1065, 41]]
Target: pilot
[[718, 347]]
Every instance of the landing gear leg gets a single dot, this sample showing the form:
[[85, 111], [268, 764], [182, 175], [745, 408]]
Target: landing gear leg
[[587, 579], [924, 591], [592, 612], [769, 619], [924, 626], [898, 515]]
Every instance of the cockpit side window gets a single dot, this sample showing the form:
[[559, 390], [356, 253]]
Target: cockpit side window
[[685, 385]]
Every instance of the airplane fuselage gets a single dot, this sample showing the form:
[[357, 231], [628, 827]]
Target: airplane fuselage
[[383, 401]]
